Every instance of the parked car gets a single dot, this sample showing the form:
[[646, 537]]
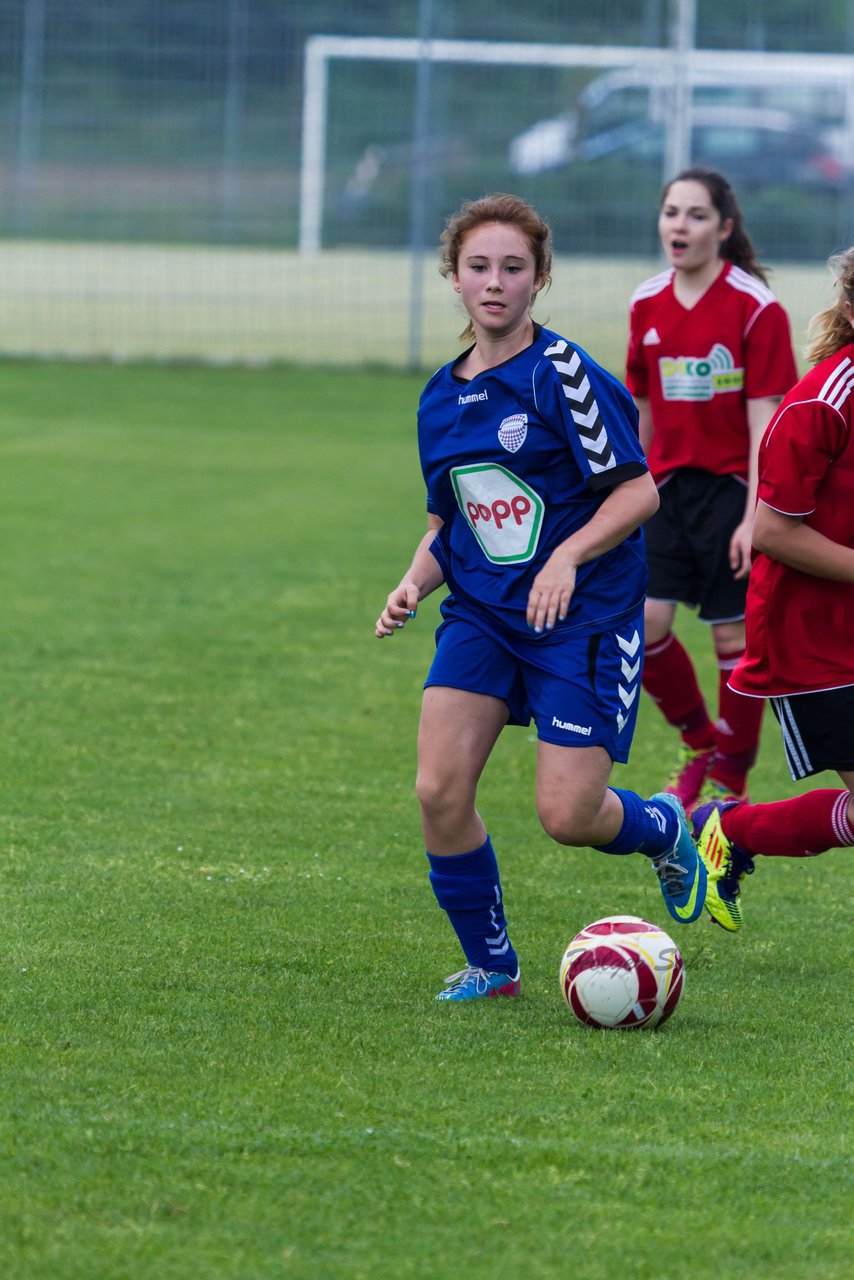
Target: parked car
[[767, 132], [752, 146]]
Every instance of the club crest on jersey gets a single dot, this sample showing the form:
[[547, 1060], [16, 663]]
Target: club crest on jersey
[[504, 514], [512, 432]]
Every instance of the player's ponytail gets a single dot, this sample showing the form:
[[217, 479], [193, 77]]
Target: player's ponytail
[[830, 330], [509, 209], [737, 247]]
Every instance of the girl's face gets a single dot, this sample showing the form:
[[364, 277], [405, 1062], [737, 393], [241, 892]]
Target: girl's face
[[496, 278], [690, 226]]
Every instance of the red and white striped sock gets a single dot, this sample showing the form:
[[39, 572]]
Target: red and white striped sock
[[798, 828]]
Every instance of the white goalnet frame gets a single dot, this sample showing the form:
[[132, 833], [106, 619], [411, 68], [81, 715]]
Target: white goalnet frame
[[678, 68]]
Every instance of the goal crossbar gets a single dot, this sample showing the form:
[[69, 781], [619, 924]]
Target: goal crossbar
[[668, 65]]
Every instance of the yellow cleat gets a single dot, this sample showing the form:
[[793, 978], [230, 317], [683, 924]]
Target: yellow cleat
[[726, 864]]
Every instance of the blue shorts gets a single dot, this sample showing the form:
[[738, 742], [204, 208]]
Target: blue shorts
[[581, 690]]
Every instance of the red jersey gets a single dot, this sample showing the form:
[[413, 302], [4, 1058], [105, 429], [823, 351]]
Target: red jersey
[[800, 628], [699, 367]]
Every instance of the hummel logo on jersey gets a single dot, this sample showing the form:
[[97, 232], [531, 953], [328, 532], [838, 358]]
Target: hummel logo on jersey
[[650, 338], [476, 395], [512, 432]]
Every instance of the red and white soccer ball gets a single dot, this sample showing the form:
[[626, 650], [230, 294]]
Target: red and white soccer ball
[[622, 972]]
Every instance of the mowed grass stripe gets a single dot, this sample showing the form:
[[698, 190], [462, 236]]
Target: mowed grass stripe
[[221, 1055]]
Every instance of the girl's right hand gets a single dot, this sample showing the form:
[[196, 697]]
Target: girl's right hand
[[400, 607]]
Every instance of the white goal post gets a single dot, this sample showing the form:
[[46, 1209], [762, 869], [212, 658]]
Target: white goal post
[[677, 67]]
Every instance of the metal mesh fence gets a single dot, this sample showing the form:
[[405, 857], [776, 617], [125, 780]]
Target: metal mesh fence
[[219, 179]]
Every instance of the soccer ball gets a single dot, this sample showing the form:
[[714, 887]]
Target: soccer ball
[[622, 972]]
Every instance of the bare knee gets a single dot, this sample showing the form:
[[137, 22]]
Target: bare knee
[[729, 637], [442, 795], [570, 820], [658, 618], [429, 790]]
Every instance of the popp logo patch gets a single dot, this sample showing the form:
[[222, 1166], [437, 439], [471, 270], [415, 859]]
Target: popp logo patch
[[504, 514]]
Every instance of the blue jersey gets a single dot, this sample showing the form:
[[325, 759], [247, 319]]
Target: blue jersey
[[514, 462]]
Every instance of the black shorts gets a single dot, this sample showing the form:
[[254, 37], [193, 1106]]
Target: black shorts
[[687, 544], [818, 731]]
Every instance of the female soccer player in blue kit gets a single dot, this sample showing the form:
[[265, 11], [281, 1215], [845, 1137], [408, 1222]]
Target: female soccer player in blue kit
[[536, 492]]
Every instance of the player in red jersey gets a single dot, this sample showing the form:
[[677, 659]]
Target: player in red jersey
[[800, 617], [709, 359]]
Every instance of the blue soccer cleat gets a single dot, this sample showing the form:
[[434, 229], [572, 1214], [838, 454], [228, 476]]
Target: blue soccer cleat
[[680, 870], [475, 984]]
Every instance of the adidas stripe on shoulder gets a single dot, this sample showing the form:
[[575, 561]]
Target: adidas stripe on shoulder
[[838, 385], [744, 282], [654, 285], [834, 392]]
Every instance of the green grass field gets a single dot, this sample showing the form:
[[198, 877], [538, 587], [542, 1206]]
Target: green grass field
[[221, 1056], [342, 307]]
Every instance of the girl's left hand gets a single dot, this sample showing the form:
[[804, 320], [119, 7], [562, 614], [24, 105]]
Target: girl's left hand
[[741, 549], [551, 592]]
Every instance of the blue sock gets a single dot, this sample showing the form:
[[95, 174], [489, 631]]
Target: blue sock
[[468, 888], [647, 828]]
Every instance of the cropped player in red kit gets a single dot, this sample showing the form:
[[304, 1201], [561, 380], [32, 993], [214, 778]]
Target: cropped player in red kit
[[709, 359], [800, 617]]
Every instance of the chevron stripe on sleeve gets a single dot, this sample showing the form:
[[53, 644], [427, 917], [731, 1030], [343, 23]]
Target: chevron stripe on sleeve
[[582, 404]]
